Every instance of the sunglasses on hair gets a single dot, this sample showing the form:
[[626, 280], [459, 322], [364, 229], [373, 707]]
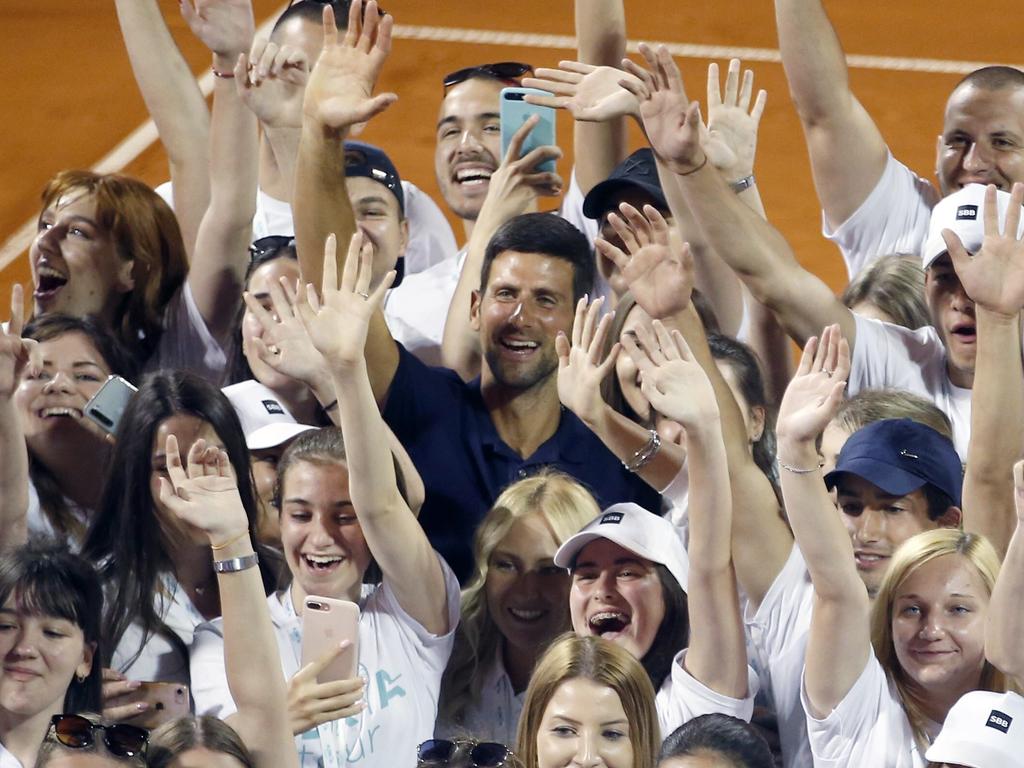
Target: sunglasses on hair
[[503, 70], [342, 5], [78, 732], [482, 754], [270, 244]]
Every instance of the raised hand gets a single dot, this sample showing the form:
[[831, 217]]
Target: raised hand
[[813, 396], [671, 380], [516, 183], [672, 123], [731, 139], [337, 322], [582, 364], [285, 346], [339, 93], [273, 83], [311, 703], [658, 268], [16, 354], [226, 27], [589, 93], [994, 276], [204, 495]]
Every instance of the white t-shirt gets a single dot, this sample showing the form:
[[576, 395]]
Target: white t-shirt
[[887, 356], [186, 342], [401, 661], [7, 760], [869, 727], [893, 219], [778, 633], [682, 698], [495, 716], [431, 240], [159, 659]]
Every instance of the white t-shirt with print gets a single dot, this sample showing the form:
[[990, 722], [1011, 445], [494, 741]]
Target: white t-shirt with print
[[401, 661], [893, 219], [495, 716], [869, 727], [682, 697], [778, 633], [890, 356]]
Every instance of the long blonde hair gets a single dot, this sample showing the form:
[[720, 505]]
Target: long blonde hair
[[912, 554], [572, 657], [565, 506]]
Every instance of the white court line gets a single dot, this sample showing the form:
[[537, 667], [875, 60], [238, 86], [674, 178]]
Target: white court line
[[143, 136]]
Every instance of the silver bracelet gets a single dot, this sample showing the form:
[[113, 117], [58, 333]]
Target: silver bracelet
[[743, 184], [645, 454], [236, 564], [798, 470]]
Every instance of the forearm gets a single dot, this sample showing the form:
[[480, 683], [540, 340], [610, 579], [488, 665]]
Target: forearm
[[14, 478], [1005, 619], [775, 349], [460, 347], [625, 438], [281, 148], [998, 400], [717, 655]]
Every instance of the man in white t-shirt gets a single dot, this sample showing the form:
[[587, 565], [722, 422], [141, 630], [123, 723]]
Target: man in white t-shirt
[[873, 205]]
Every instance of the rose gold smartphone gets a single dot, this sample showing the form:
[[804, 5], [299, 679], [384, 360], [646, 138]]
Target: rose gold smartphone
[[326, 622], [167, 701]]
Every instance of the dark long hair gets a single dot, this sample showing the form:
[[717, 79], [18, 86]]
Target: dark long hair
[[125, 536], [45, 579], [118, 360], [673, 633], [725, 737]]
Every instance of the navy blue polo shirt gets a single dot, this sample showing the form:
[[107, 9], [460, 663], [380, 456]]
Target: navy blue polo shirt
[[448, 433]]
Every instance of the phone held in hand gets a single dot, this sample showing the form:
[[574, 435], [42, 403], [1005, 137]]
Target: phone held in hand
[[515, 111], [107, 406], [167, 702], [326, 622]]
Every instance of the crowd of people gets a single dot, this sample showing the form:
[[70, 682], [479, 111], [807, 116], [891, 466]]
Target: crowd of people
[[288, 478]]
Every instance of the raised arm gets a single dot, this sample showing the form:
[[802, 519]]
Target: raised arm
[[761, 541], [1004, 625], [204, 496], [750, 245], [848, 153], [337, 324], [994, 279], [839, 642], [176, 105], [217, 272], [16, 356], [513, 190], [678, 388], [338, 96]]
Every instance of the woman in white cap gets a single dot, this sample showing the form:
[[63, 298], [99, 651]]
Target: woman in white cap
[[982, 730], [629, 567]]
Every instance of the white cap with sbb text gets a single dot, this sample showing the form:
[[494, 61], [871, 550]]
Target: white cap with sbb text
[[982, 730], [964, 213], [266, 423]]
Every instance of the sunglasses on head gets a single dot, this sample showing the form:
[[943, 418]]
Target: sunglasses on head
[[341, 5], [482, 754], [509, 71], [268, 245], [78, 732]]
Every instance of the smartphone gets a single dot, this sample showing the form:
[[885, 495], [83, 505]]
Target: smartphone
[[167, 701], [107, 406], [326, 622], [515, 111]]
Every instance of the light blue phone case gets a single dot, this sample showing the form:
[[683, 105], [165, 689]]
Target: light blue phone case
[[515, 111]]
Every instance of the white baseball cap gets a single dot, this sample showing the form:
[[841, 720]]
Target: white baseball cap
[[634, 528], [265, 421], [963, 212], [982, 730]]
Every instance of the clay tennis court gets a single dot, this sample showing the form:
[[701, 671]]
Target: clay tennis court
[[69, 98]]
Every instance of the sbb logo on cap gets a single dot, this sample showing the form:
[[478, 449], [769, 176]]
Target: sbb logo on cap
[[273, 406], [611, 517], [999, 720], [967, 213]]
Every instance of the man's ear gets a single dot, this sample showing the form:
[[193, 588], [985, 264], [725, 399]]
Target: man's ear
[[403, 232], [951, 518], [474, 310]]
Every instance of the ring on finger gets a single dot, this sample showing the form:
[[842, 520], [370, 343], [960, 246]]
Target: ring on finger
[[827, 372], [366, 296]]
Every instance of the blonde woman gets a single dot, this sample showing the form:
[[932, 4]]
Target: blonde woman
[[590, 702], [515, 604]]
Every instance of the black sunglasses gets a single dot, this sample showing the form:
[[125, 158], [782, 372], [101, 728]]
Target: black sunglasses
[[483, 754], [78, 732], [504, 70], [341, 5], [268, 245]]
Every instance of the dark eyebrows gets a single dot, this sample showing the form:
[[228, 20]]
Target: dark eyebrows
[[619, 561], [453, 120]]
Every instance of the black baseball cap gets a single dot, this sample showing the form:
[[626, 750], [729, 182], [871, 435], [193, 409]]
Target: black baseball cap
[[362, 159], [638, 171]]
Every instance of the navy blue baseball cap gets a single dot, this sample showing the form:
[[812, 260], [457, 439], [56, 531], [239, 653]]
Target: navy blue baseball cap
[[638, 171], [362, 159], [900, 456]]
